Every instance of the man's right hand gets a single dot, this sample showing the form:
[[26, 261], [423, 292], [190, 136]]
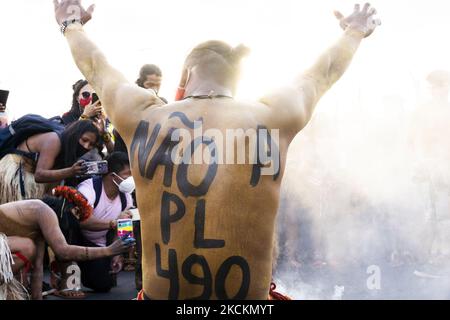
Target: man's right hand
[[72, 10]]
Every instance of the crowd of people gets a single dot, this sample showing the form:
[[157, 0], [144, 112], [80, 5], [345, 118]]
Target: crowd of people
[[52, 206]]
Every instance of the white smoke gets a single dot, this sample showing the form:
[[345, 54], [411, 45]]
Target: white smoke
[[364, 213]]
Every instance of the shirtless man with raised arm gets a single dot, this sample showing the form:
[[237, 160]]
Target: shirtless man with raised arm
[[208, 227]]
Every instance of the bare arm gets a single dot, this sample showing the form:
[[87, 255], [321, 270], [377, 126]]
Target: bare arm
[[37, 274], [49, 226], [295, 105], [122, 100], [329, 68], [95, 224], [49, 149]]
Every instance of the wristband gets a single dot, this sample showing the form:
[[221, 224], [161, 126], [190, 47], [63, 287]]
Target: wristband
[[67, 23]]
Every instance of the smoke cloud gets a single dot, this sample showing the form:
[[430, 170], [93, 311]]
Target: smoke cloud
[[365, 203]]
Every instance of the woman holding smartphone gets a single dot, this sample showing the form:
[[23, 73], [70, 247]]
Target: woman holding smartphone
[[87, 106], [36, 163], [83, 105]]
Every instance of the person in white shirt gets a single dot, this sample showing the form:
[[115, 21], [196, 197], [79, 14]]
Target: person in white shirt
[[110, 204]]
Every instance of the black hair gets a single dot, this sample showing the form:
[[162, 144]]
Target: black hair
[[148, 70], [68, 223], [70, 146], [76, 111], [117, 161]]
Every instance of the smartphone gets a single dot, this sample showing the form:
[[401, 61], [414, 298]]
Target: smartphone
[[94, 98], [125, 229], [96, 168], [4, 97]]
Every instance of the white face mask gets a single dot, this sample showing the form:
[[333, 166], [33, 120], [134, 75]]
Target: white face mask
[[126, 186]]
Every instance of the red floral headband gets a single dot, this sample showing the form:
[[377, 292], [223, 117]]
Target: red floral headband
[[76, 198]]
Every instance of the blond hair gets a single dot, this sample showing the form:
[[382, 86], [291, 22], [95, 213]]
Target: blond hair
[[217, 59]]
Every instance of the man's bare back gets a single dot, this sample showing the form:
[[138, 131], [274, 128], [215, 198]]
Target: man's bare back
[[213, 222], [20, 219], [208, 227]]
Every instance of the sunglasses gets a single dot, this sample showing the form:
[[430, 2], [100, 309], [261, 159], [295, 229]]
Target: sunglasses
[[86, 94]]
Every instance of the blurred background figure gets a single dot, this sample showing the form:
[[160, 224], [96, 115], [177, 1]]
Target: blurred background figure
[[3, 114], [3, 117], [150, 77], [429, 134], [4, 94]]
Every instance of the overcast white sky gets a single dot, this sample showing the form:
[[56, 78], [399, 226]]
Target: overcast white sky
[[285, 37]]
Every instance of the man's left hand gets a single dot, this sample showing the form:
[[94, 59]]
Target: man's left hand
[[66, 10]]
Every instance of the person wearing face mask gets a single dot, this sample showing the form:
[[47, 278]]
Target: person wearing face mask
[[110, 197], [82, 106], [41, 154]]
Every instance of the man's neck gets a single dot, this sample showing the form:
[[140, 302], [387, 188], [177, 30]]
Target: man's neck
[[203, 88], [110, 188]]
